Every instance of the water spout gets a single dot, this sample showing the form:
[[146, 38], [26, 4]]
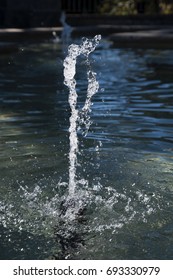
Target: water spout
[[85, 48]]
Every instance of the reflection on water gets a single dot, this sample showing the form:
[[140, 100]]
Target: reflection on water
[[127, 156]]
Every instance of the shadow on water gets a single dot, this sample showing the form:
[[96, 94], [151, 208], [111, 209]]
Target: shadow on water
[[126, 157]]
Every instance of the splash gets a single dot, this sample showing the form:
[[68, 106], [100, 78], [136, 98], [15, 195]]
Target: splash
[[85, 48]]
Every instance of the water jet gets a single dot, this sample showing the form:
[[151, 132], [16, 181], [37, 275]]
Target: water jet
[[72, 209]]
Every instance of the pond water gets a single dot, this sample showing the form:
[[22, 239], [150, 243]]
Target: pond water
[[125, 170]]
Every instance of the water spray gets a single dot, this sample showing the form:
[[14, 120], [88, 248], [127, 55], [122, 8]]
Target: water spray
[[85, 48], [69, 233]]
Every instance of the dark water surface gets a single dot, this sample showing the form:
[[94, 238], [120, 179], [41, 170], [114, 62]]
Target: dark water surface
[[126, 159]]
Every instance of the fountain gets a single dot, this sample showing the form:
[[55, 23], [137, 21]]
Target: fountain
[[65, 36], [72, 209], [74, 51], [100, 202], [67, 30]]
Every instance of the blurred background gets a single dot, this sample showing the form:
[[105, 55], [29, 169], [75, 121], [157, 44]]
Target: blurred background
[[41, 13]]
